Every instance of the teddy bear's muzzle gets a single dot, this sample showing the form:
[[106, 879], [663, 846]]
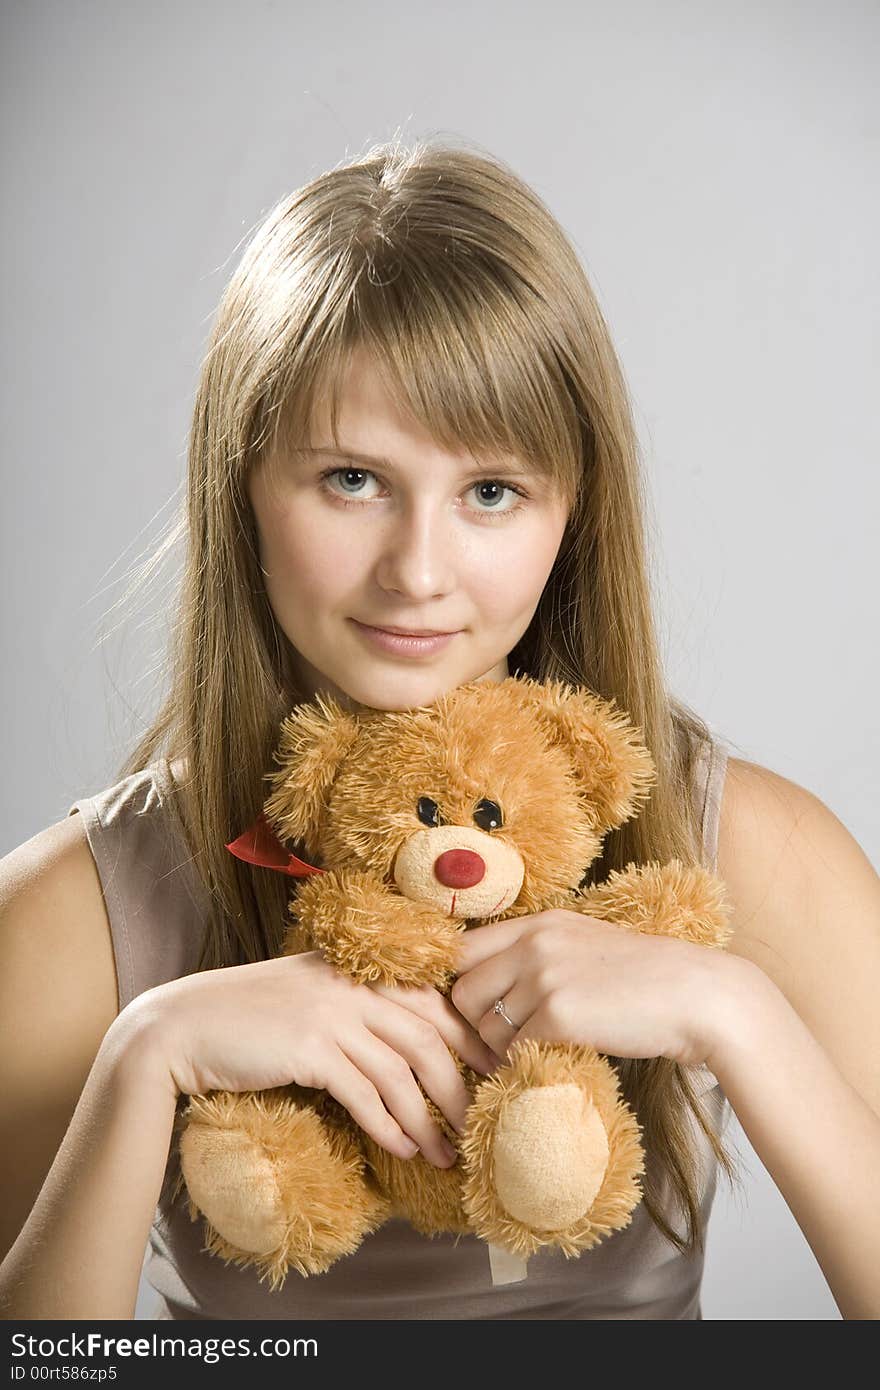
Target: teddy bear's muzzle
[[463, 871]]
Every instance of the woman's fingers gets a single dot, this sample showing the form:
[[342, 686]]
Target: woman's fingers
[[428, 1003], [426, 1052], [356, 1092], [392, 1077]]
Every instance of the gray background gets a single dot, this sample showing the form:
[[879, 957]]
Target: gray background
[[716, 167]]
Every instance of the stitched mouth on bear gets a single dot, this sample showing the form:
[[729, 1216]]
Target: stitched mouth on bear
[[491, 913]]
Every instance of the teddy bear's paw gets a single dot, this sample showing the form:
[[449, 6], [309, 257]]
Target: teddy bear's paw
[[372, 934], [674, 899], [278, 1186], [551, 1154]]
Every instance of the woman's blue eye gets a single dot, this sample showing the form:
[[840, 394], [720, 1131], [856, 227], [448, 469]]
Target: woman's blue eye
[[358, 474], [345, 473], [501, 487]]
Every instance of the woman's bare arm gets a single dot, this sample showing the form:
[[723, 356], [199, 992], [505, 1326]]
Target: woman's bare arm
[[80, 1252], [82, 1126], [799, 1062]]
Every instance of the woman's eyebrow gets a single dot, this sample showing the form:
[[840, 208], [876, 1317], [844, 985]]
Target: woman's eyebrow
[[380, 461]]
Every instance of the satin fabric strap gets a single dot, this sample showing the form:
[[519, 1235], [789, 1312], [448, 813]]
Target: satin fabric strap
[[260, 845]]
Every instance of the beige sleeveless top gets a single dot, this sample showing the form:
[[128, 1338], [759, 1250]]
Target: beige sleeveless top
[[156, 907]]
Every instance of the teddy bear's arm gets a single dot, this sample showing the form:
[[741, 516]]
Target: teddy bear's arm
[[672, 899], [372, 933]]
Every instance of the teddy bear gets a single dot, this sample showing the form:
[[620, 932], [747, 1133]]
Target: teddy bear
[[489, 804]]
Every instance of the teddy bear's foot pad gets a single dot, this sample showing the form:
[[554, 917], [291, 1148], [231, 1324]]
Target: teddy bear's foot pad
[[549, 1156], [232, 1182], [276, 1183]]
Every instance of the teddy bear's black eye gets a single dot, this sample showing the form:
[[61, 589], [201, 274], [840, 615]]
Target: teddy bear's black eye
[[488, 815], [428, 811]]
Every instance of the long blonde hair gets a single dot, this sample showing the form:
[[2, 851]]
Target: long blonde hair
[[455, 275]]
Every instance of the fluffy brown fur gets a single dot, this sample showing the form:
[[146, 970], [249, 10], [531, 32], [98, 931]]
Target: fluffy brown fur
[[551, 1154]]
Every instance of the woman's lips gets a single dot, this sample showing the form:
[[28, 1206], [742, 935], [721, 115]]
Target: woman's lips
[[400, 645]]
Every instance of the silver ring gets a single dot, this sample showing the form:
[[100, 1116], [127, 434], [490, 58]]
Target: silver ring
[[499, 1009]]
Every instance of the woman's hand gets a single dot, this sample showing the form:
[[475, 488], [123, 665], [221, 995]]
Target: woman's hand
[[566, 977], [297, 1019]]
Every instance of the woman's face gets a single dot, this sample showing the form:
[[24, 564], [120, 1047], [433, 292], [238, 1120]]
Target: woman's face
[[404, 535]]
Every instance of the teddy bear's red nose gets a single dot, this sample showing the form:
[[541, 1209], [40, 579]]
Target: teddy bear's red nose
[[459, 868]]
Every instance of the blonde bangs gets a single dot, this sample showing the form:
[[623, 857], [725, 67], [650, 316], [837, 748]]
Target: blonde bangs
[[451, 313]]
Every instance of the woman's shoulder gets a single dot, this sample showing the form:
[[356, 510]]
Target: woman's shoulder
[[760, 843], [783, 850], [51, 901], [56, 950], [762, 813]]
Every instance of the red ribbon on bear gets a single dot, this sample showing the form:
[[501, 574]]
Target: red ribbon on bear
[[260, 845]]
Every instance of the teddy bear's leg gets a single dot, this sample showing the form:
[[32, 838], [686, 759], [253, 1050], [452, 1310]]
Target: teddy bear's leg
[[279, 1186], [552, 1154]]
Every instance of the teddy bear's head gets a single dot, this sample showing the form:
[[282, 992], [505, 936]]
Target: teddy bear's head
[[493, 800]]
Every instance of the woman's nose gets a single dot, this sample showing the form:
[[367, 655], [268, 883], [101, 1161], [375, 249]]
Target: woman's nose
[[416, 557]]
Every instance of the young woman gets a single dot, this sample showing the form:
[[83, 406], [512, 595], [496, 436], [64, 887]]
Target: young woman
[[411, 419]]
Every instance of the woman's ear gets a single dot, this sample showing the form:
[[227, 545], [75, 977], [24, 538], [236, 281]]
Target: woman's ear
[[612, 766], [314, 740]]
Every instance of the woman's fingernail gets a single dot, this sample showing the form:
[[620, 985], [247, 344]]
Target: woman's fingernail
[[449, 1151]]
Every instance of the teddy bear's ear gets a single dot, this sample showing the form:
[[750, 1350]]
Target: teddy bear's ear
[[314, 739], [608, 755]]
